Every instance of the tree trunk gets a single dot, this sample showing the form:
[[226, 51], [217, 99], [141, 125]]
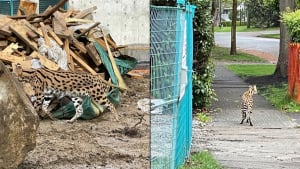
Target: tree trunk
[[282, 63], [248, 18], [233, 28], [213, 13]]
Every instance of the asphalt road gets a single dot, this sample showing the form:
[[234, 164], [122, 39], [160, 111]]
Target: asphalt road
[[250, 41]]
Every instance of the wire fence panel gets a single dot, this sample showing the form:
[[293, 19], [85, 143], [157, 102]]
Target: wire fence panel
[[164, 90], [170, 86]]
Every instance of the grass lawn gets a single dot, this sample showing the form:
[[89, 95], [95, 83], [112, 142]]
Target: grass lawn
[[276, 94], [202, 160], [273, 36], [222, 54], [242, 29], [245, 71]]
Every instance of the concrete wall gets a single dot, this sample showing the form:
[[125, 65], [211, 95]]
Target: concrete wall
[[127, 20]]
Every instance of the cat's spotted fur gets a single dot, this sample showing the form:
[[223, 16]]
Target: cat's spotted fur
[[247, 104], [48, 84]]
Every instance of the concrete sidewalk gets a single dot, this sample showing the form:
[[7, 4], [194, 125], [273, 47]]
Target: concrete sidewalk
[[273, 142]]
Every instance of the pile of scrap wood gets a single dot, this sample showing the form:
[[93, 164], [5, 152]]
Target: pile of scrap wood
[[58, 40]]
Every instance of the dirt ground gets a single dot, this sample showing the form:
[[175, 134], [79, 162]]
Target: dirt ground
[[97, 143]]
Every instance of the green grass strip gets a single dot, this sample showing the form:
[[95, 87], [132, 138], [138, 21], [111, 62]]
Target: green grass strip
[[273, 36], [202, 160], [223, 54], [244, 71]]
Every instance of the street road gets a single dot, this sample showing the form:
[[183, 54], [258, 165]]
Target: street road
[[250, 41]]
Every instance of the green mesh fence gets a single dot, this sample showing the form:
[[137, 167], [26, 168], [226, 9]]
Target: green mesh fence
[[168, 51]]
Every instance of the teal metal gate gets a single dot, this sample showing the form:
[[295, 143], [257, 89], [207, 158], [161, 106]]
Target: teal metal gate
[[171, 51]]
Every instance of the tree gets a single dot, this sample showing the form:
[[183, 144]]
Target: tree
[[233, 28], [282, 63], [262, 13], [213, 12]]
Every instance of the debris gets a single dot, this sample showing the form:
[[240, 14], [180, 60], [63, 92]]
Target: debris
[[62, 39], [144, 105]]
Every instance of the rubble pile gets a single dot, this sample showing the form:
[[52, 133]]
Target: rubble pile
[[60, 39]]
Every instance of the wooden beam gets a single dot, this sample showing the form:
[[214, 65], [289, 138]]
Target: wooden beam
[[34, 29], [48, 13], [77, 44], [68, 20], [20, 30], [58, 23], [85, 12], [45, 34], [10, 48], [122, 84], [10, 58], [4, 25], [94, 55], [55, 37], [89, 69], [87, 30], [69, 57], [111, 42], [26, 7], [82, 63]]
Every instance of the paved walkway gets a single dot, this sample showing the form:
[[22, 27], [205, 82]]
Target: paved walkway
[[273, 142]]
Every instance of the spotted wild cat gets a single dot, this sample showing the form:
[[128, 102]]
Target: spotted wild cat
[[48, 84], [247, 104]]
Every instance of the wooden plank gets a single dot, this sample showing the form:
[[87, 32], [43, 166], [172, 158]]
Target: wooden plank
[[69, 57], [94, 55], [101, 43], [122, 84], [135, 75], [111, 42], [47, 13], [82, 63], [26, 7], [34, 29], [85, 12], [10, 48], [19, 29], [89, 69], [139, 73], [87, 30], [78, 44], [32, 35], [58, 23], [45, 34], [11, 58], [68, 13], [68, 20], [45, 61], [55, 37], [4, 25]]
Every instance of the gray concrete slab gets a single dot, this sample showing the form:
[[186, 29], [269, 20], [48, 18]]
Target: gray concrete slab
[[273, 142]]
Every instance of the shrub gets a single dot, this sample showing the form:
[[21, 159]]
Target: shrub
[[203, 93], [292, 21], [203, 44]]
